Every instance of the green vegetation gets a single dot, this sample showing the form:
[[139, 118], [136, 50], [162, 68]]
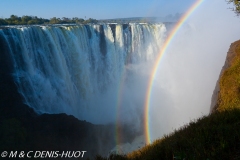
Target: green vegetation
[[237, 5], [212, 137], [216, 136], [229, 94], [28, 20], [132, 20]]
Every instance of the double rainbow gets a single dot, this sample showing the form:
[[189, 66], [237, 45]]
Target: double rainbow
[[155, 68]]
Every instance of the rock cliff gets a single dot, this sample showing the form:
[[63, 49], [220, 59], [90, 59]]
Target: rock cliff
[[227, 88]]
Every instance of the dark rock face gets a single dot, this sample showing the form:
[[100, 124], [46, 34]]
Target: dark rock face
[[23, 129], [61, 132], [58, 132], [230, 56]]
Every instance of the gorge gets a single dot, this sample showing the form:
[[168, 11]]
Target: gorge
[[93, 72], [98, 73]]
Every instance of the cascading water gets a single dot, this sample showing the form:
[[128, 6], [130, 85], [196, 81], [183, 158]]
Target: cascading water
[[84, 70]]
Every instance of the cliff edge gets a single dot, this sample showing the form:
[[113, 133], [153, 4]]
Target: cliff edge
[[226, 94]]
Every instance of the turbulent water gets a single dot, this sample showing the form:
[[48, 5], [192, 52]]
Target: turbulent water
[[84, 70]]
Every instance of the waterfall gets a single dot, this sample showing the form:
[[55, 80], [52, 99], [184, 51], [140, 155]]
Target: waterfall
[[79, 69]]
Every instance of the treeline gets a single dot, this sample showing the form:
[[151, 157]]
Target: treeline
[[236, 7], [28, 20]]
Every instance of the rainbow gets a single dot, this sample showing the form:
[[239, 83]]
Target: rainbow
[[119, 104], [155, 68]]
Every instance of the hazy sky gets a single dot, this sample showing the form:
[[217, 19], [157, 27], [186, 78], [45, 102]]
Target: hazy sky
[[97, 9]]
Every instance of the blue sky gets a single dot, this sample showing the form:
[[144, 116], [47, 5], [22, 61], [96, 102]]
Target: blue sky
[[98, 9]]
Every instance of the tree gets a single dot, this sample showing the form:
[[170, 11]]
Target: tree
[[24, 20], [77, 20], [55, 20], [66, 20], [237, 6], [13, 19], [3, 22], [90, 20]]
